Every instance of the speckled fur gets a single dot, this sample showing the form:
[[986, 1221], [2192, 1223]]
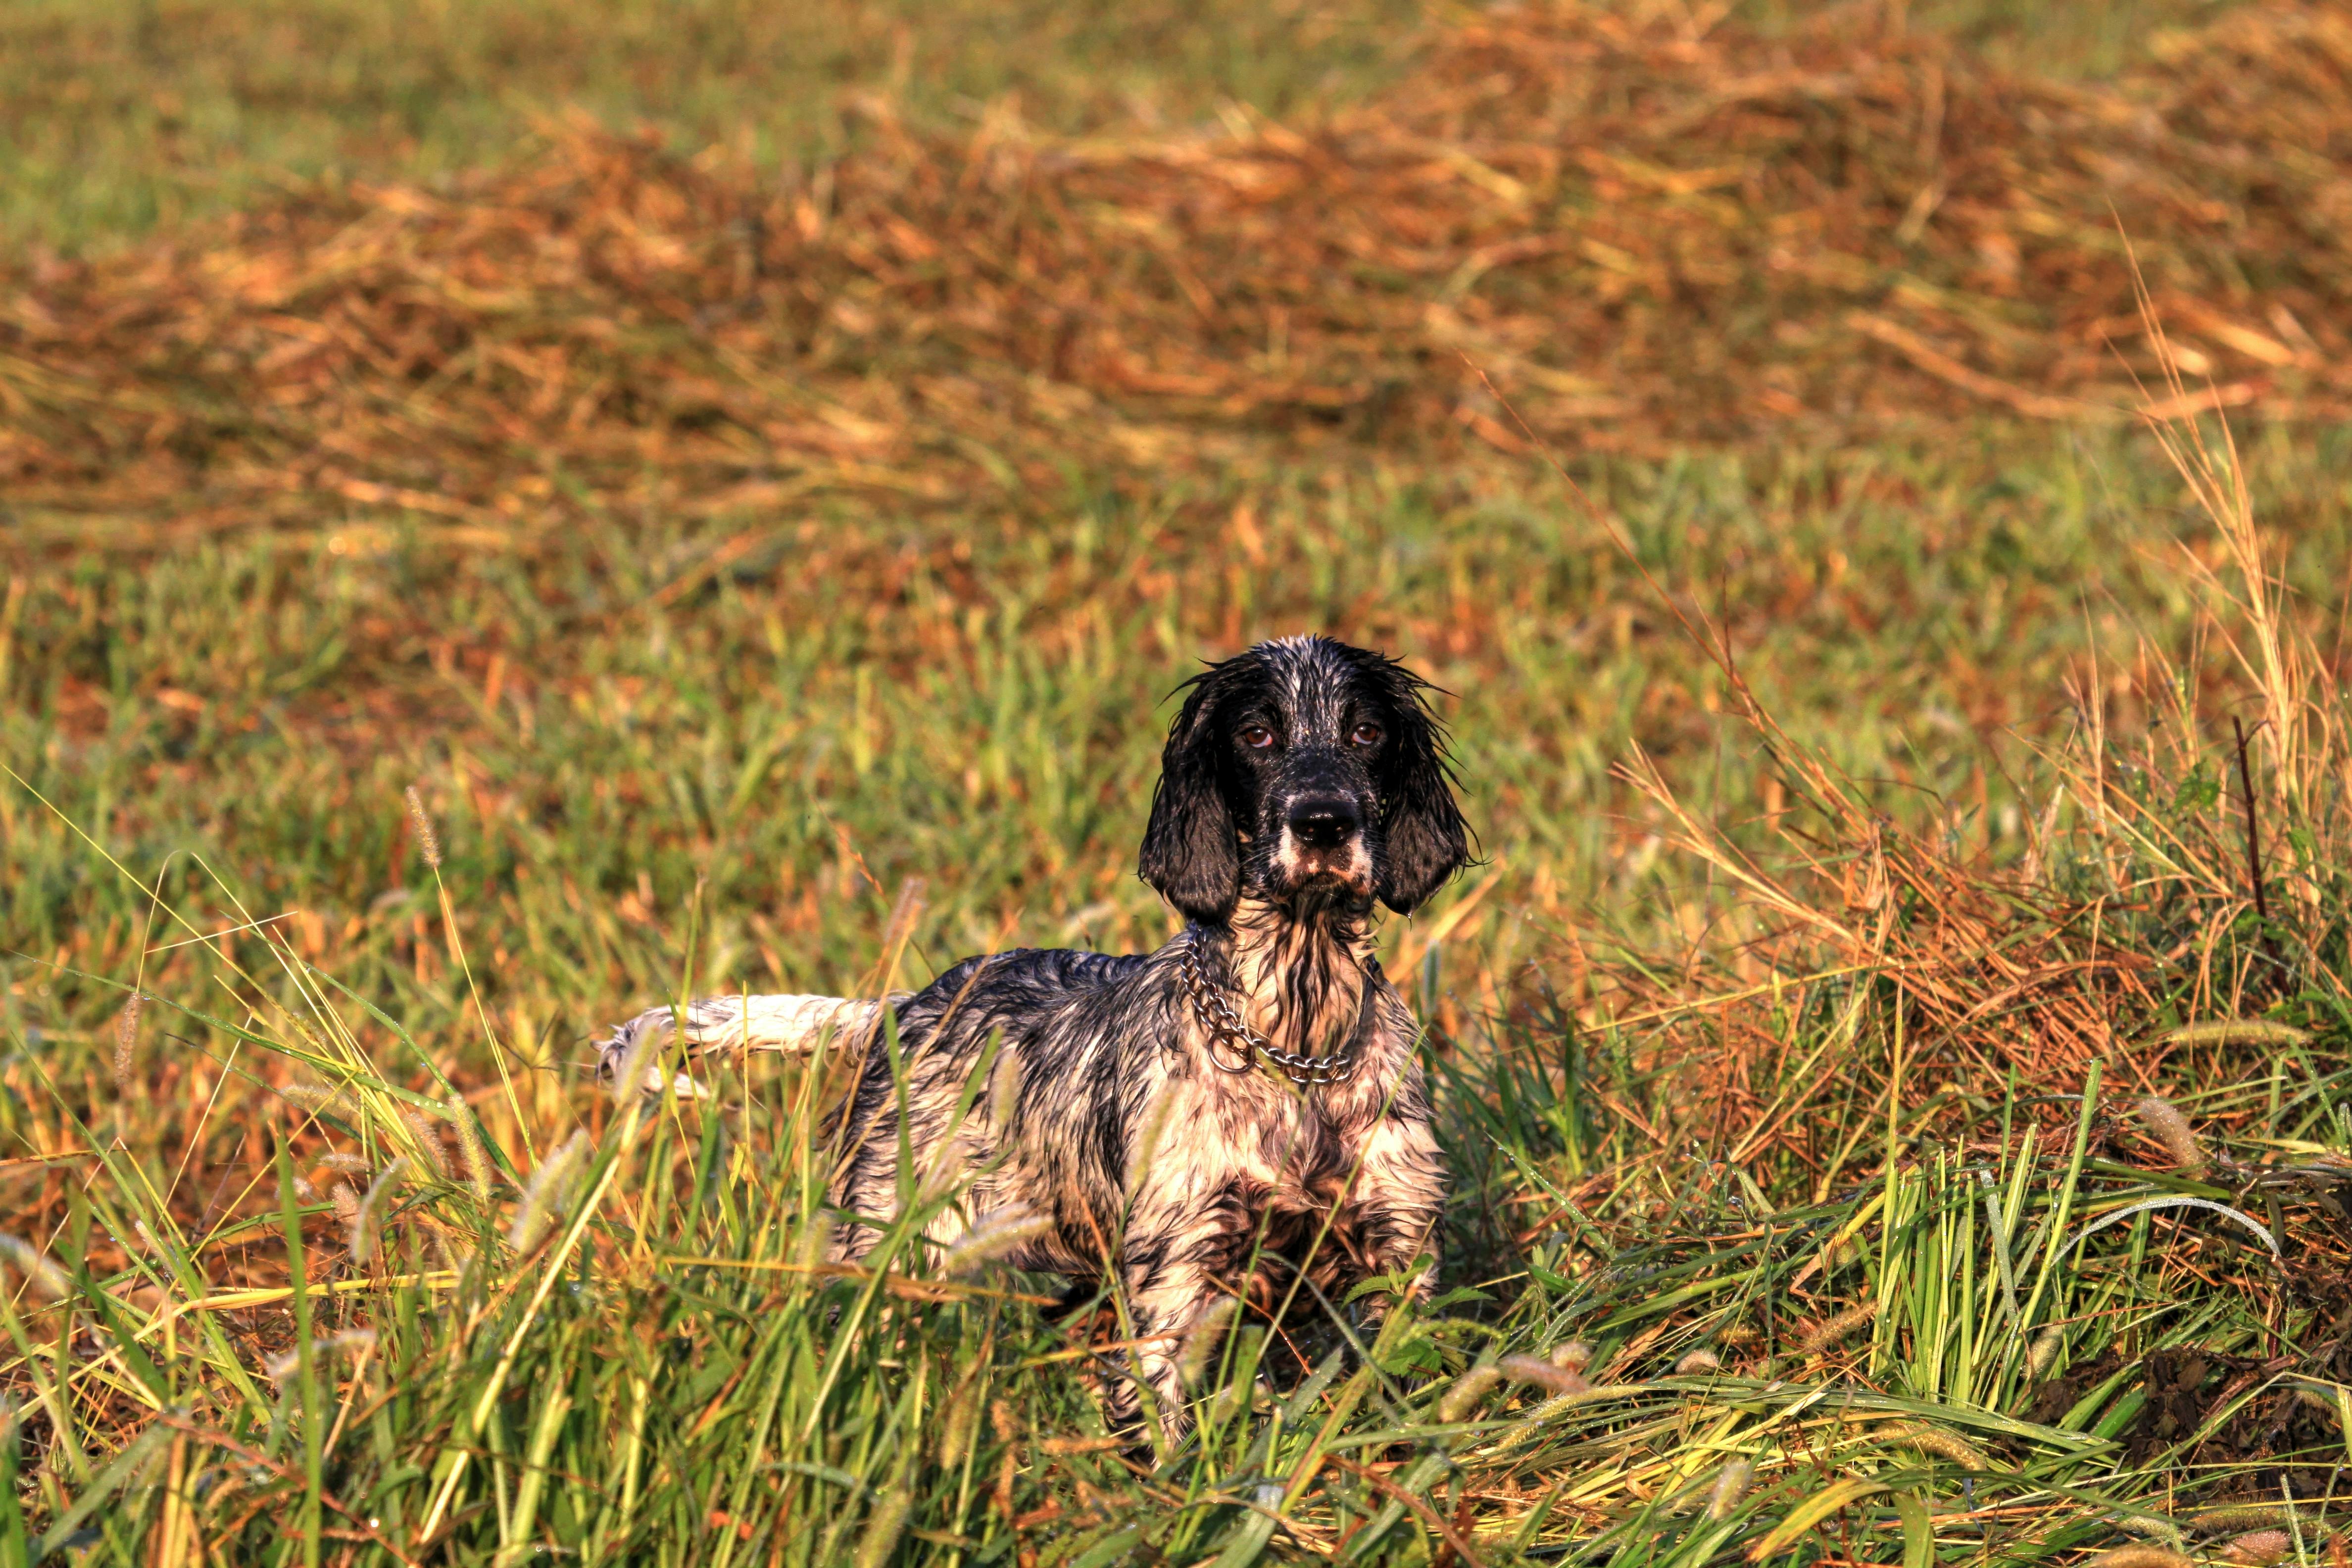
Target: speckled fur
[[1103, 1113]]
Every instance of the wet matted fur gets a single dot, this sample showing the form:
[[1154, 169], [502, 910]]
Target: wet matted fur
[[1302, 781]]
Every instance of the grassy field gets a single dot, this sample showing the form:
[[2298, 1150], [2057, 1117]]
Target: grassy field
[[121, 115], [1865, 985]]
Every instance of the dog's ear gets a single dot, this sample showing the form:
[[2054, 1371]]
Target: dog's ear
[[1192, 854], [1425, 839]]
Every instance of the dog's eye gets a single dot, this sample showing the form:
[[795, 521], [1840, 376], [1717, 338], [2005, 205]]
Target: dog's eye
[[1365, 734], [1257, 737]]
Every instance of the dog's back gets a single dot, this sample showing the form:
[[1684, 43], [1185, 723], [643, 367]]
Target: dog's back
[[1032, 1066]]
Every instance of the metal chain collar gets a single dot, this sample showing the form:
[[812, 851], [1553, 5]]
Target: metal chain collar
[[1225, 1025]]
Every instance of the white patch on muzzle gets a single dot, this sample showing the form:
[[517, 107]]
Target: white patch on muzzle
[[1351, 863]]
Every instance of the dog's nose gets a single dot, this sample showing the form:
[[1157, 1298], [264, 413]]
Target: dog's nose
[[1324, 821]]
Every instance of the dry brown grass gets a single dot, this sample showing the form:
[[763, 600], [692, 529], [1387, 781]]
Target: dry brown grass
[[1648, 233], [2182, 882]]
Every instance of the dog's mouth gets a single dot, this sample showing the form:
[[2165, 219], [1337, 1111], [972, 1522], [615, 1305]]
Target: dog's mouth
[[1318, 848], [1326, 870]]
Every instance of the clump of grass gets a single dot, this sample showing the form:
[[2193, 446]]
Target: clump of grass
[[661, 1337], [1878, 1077]]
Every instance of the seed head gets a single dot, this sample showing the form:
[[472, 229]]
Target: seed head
[[637, 1041], [126, 1041], [883, 1526], [1544, 1374], [947, 1166], [426, 841], [2238, 1032], [544, 1198], [958, 1422], [2259, 1546], [428, 1141], [469, 1144], [996, 1234], [2043, 1353], [2171, 1129], [1942, 1444], [318, 1099], [1458, 1401], [2140, 1555], [1208, 1327], [363, 1221], [1730, 1486], [2241, 1516], [1835, 1329]]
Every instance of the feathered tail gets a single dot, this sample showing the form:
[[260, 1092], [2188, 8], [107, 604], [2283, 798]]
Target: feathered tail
[[795, 1024]]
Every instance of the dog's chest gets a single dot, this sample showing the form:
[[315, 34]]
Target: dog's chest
[[1256, 1141]]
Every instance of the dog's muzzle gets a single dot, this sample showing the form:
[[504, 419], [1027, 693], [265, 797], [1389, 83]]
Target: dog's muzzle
[[1322, 840]]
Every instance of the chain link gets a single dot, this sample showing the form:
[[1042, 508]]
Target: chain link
[[1227, 1025]]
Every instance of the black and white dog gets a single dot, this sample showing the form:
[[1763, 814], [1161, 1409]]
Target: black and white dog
[[1179, 1118]]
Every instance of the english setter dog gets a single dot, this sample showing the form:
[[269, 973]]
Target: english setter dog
[[1179, 1118]]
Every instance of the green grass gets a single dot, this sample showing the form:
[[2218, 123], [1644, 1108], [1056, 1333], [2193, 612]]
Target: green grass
[[122, 115], [118, 116], [260, 1304], [603, 723], [729, 782]]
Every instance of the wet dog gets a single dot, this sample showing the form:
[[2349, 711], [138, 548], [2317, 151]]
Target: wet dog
[[1181, 1120]]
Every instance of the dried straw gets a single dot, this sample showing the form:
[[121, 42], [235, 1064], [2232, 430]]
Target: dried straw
[[1590, 207]]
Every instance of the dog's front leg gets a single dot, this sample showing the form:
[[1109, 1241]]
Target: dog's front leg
[[1166, 1307], [1171, 1266], [1393, 1207]]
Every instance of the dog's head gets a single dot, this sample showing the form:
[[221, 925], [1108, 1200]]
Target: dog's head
[[1302, 769]]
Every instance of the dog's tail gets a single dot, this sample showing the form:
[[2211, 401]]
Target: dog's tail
[[796, 1026]]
